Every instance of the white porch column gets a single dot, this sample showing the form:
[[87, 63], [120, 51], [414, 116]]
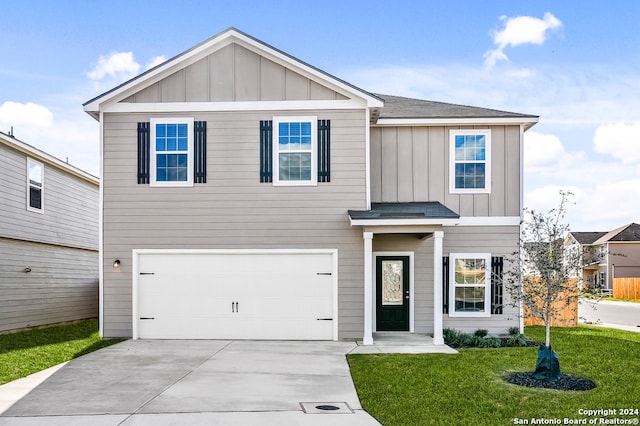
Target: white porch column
[[367, 339], [438, 339]]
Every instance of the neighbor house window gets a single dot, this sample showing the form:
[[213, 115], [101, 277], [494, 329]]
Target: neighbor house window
[[470, 281], [470, 161], [171, 152], [35, 180], [294, 154]]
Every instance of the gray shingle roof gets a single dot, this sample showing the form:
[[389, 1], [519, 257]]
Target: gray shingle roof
[[630, 232], [587, 237], [400, 107], [426, 210]]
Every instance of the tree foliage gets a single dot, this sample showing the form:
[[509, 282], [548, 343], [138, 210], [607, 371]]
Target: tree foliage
[[543, 281]]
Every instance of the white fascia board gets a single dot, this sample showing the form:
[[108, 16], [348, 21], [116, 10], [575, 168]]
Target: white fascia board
[[232, 106], [527, 121], [403, 222], [198, 52], [487, 221], [45, 158]]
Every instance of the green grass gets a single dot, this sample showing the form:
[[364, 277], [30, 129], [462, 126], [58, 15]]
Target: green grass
[[26, 352], [467, 389]]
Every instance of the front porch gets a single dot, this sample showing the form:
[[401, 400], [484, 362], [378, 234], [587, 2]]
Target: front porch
[[402, 343], [390, 304]]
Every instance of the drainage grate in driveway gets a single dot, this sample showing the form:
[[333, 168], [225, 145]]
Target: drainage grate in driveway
[[326, 408]]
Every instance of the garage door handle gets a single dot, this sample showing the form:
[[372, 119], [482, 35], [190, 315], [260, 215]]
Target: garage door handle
[[324, 273], [325, 319], [144, 318]]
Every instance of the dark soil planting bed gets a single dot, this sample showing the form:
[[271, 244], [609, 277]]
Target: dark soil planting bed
[[565, 383]]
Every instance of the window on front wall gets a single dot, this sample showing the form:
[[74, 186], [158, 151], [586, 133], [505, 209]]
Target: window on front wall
[[294, 154], [35, 180], [470, 161], [470, 285], [171, 152]]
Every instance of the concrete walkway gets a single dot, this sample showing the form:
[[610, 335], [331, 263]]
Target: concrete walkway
[[173, 382]]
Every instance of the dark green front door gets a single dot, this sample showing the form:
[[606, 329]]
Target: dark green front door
[[392, 293]]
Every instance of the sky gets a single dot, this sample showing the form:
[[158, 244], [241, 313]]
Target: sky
[[575, 63]]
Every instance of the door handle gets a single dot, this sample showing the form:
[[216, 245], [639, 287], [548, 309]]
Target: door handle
[[237, 309], [234, 307]]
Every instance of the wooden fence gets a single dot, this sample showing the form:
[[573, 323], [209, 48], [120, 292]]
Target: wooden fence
[[567, 317], [626, 288]]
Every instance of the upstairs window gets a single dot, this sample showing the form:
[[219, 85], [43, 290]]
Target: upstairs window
[[294, 154], [35, 181], [171, 152], [470, 161]]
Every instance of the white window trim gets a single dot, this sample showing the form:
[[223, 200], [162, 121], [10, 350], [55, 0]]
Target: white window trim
[[152, 151], [452, 285], [452, 161], [314, 151], [29, 208]]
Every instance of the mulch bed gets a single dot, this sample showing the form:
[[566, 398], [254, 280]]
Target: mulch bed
[[565, 383]]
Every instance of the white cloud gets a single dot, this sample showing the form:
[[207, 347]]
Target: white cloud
[[119, 66], [155, 62], [74, 137], [520, 30], [548, 197], [545, 151], [620, 140], [29, 114]]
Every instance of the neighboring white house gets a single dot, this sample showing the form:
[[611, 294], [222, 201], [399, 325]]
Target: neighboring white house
[[248, 194], [48, 238]]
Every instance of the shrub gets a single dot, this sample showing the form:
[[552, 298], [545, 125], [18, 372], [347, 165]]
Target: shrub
[[481, 332]]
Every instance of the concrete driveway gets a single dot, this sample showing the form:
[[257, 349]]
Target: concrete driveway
[[187, 382]]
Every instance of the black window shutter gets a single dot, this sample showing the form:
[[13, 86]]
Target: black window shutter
[[200, 152], [445, 285], [324, 150], [497, 265], [144, 135], [266, 147]]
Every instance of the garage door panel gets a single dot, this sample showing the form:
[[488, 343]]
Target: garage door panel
[[236, 296]]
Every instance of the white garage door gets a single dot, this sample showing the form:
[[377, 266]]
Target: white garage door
[[235, 295]]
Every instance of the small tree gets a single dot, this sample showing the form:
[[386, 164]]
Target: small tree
[[543, 281]]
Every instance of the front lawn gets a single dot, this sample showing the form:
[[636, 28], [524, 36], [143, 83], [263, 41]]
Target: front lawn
[[26, 352], [467, 389]]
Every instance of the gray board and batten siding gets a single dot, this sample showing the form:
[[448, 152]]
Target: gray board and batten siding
[[233, 73], [411, 163], [59, 245]]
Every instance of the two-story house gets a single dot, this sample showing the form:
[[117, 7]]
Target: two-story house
[[48, 238], [248, 194], [607, 255]]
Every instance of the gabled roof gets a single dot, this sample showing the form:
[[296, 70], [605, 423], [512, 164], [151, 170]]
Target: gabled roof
[[586, 238], [630, 232], [42, 156], [398, 109], [212, 44]]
